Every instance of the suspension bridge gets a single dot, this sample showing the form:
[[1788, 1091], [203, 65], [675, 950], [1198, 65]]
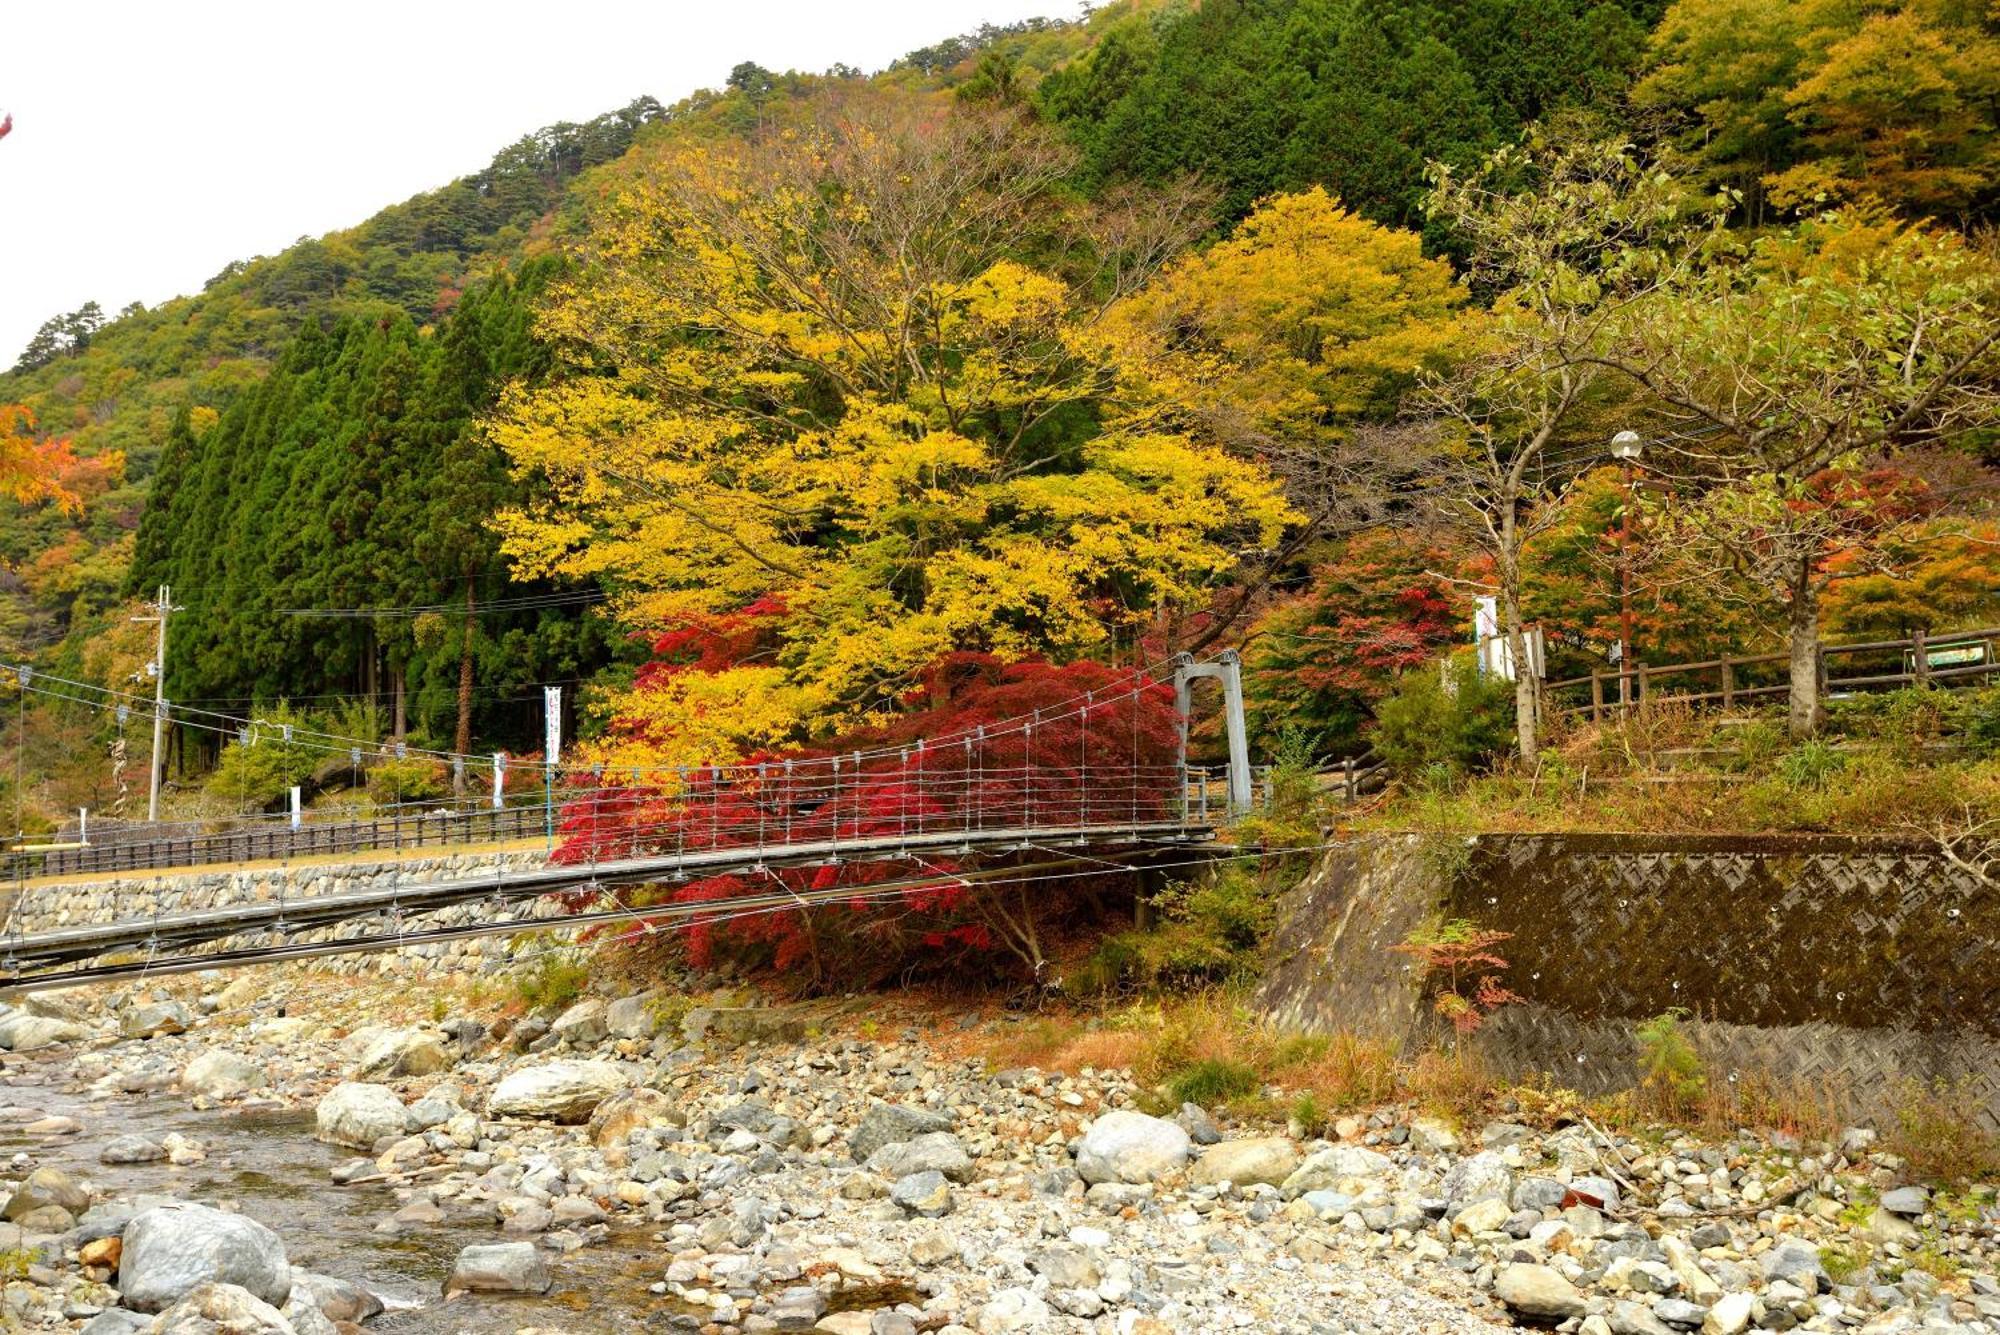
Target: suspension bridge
[[1096, 783]]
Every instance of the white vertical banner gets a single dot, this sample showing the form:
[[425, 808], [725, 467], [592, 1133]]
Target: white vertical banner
[[297, 809], [552, 725], [499, 780]]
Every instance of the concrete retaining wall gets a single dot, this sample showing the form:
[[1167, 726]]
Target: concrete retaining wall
[[1852, 965]]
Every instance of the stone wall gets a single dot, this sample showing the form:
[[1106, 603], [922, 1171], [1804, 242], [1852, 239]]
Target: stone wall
[[136, 895], [1851, 965]]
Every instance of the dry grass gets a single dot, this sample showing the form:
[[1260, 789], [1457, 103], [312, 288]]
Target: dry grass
[[1936, 1128]]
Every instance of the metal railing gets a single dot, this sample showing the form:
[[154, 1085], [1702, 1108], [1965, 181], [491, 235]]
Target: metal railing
[[1730, 681]]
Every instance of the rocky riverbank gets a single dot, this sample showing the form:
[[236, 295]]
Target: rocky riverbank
[[760, 1169]]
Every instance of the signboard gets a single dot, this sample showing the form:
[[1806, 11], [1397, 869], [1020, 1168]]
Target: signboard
[[552, 725]]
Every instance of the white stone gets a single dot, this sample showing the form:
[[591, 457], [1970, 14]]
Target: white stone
[[1130, 1147]]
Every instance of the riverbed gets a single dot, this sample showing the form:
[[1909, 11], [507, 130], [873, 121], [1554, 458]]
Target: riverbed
[[264, 1163]]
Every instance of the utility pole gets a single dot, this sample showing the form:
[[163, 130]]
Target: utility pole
[[162, 609]]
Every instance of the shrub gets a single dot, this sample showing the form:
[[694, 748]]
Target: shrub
[[262, 771], [1937, 1131], [410, 780], [1211, 1080], [1982, 722], [1459, 725], [1670, 1070], [555, 979], [1458, 961]]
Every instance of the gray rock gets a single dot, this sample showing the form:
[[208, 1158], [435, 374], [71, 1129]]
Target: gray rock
[[737, 1025], [132, 1149], [1066, 1268], [1499, 1135], [562, 1091], [1906, 1200], [889, 1124], [1267, 1159], [1326, 1169], [633, 1017], [21, 1032], [222, 1309], [222, 1075], [499, 1267], [1201, 1128], [358, 1115], [1709, 1235], [1538, 1193], [1630, 1318], [396, 1053], [1130, 1147], [1603, 1188], [1796, 1263], [161, 1017], [1537, 1291], [116, 1321], [939, 1151], [173, 1249], [43, 1188], [1680, 1312], [1479, 1177], [583, 1024], [338, 1299], [926, 1194]]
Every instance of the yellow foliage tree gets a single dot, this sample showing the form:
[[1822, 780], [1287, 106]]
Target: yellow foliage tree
[[856, 371]]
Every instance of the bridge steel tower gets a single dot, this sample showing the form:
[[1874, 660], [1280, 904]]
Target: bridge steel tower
[[1226, 668]]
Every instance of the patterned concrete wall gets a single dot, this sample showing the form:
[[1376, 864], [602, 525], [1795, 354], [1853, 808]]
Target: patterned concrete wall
[[1849, 964]]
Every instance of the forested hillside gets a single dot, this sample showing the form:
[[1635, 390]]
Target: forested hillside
[[1082, 340]]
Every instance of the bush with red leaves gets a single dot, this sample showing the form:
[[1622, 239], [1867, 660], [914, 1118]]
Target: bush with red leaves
[[982, 744]]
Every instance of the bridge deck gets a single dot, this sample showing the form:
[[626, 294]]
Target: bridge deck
[[34, 961]]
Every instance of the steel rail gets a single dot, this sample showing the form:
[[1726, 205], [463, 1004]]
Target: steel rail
[[670, 916], [40, 950]]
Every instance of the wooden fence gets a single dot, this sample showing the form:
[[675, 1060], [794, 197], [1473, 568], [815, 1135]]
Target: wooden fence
[[1962, 658]]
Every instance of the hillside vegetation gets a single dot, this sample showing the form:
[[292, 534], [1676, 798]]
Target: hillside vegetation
[[1290, 323]]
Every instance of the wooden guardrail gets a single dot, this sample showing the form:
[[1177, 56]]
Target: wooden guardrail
[[1742, 679]]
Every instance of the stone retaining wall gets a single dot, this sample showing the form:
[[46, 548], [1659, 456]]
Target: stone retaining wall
[[137, 895], [1851, 965]]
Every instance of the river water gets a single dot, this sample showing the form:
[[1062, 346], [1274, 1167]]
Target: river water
[[266, 1165]]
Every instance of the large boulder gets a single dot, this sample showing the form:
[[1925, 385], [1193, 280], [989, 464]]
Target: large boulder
[[1130, 1147], [890, 1123], [1326, 1169], [222, 1075], [161, 1017], [499, 1267], [358, 1115], [393, 1053], [627, 1111], [564, 1091], [171, 1250], [938, 1152], [1267, 1159], [22, 1032]]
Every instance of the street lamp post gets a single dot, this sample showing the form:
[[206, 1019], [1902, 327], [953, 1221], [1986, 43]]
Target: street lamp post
[[1626, 448]]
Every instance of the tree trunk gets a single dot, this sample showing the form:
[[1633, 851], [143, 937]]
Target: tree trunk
[[396, 685], [1525, 711], [463, 740], [1803, 643]]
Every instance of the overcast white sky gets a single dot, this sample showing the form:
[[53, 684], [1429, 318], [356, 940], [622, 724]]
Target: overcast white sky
[[155, 142]]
